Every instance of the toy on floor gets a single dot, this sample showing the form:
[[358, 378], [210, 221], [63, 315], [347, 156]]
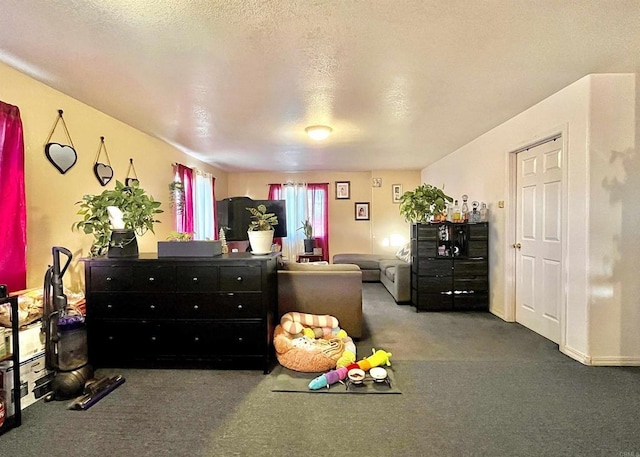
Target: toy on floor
[[312, 343], [378, 358]]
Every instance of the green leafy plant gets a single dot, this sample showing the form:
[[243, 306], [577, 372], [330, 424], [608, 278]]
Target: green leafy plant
[[422, 203], [176, 196], [261, 220], [307, 229], [180, 236], [139, 212]]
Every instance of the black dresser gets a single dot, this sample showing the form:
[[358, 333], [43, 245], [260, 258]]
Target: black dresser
[[450, 266], [215, 312]]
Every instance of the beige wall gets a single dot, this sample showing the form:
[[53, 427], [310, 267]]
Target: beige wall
[[345, 233], [51, 196], [598, 121]]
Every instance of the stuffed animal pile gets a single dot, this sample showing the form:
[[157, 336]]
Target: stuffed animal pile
[[312, 343]]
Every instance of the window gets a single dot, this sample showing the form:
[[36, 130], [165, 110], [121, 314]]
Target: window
[[193, 201], [304, 201]]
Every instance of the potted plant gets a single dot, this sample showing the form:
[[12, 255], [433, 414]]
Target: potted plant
[[261, 230], [423, 203], [138, 210], [309, 242], [182, 244]]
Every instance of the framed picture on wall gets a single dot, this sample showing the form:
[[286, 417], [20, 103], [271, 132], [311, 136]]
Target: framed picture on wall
[[396, 193], [343, 190], [362, 211]]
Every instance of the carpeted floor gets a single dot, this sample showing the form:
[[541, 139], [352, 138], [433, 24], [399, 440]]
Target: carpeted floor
[[472, 385]]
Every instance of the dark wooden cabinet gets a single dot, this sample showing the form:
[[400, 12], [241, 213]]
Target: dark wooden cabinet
[[450, 266], [171, 312]]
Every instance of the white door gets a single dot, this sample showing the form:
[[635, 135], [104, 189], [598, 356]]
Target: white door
[[538, 239]]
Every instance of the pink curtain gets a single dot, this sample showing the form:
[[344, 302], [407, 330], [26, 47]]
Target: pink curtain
[[275, 193], [319, 209], [185, 220], [13, 236]]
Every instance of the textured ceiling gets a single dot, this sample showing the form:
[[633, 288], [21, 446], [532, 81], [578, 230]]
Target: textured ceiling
[[234, 83]]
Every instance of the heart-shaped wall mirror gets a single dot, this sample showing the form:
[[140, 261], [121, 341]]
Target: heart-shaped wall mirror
[[103, 172], [62, 157], [131, 181]]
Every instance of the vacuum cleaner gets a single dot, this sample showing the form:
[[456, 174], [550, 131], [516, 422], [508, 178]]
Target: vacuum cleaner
[[65, 338]]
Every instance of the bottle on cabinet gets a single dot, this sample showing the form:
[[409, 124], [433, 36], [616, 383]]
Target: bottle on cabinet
[[456, 215], [465, 209]]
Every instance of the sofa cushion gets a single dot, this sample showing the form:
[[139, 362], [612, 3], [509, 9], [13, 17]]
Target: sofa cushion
[[292, 266], [388, 268], [364, 261]]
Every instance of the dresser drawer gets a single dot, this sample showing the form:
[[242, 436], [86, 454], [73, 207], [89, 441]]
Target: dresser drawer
[[197, 279], [434, 285], [110, 278], [470, 268], [240, 279], [435, 267], [231, 305], [154, 278], [109, 340], [219, 339], [132, 305], [475, 284]]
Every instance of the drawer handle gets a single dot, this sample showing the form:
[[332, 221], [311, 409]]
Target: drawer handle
[[195, 307], [240, 339], [153, 338], [239, 306], [152, 307], [110, 338], [239, 278], [109, 306], [151, 279], [108, 278], [195, 279], [196, 339]]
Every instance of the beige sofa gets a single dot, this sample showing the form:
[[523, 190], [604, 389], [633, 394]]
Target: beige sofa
[[335, 290], [392, 271]]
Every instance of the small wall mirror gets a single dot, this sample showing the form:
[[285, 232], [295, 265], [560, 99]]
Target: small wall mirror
[[62, 157], [103, 172]]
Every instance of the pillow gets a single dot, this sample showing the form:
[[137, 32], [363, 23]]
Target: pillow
[[404, 253]]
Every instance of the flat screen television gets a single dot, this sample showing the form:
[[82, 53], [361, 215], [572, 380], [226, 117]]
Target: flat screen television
[[234, 218]]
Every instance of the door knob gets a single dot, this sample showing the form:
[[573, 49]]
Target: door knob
[[517, 245]]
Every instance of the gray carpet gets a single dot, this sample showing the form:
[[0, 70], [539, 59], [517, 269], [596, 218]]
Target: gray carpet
[[472, 385]]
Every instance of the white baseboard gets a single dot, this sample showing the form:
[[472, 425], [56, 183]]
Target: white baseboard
[[601, 361]]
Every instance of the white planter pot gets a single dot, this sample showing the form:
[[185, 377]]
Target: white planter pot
[[261, 241]]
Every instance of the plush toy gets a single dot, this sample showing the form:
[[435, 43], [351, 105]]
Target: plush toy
[[305, 342], [378, 358], [295, 322]]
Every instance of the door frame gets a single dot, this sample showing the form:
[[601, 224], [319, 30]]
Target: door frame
[[511, 223]]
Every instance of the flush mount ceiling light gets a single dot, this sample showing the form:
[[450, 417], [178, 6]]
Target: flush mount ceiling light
[[318, 132]]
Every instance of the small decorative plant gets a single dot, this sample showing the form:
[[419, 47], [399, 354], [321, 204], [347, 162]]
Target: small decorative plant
[[307, 229], [423, 203], [261, 220], [176, 196], [139, 212], [260, 230], [180, 236]]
